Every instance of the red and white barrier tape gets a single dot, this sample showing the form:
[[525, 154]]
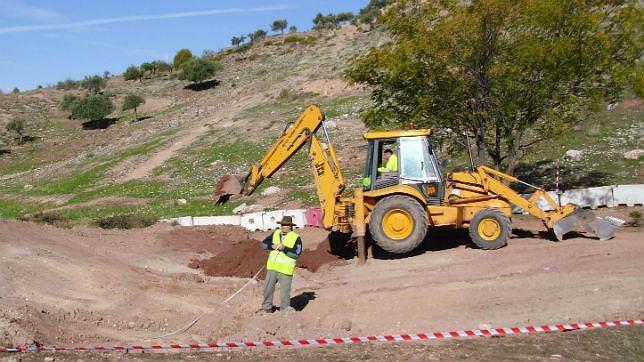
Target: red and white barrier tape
[[345, 340]]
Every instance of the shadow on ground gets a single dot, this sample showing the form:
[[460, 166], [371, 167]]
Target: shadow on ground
[[99, 123], [300, 301], [198, 87]]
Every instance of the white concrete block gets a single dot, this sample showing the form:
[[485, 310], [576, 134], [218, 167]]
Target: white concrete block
[[252, 221], [298, 215], [629, 195], [216, 220], [592, 197], [185, 220], [271, 218]]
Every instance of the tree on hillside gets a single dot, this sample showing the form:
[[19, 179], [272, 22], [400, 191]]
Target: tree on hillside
[[344, 17], [15, 90], [147, 67], [161, 67], [67, 104], [132, 73], [181, 57], [67, 84], [17, 126], [257, 35], [94, 83], [198, 70], [235, 41], [92, 107], [279, 25], [133, 101], [292, 29], [370, 13], [510, 73], [106, 74]]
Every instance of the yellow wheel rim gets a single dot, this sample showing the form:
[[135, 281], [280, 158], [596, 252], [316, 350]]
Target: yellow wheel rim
[[397, 224], [489, 229]]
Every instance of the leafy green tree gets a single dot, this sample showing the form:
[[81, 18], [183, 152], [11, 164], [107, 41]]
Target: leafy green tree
[[344, 17], [161, 67], [132, 73], [92, 107], [15, 90], [18, 126], [181, 57], [67, 103], [198, 70], [293, 29], [512, 73], [257, 35], [67, 84], [93, 83], [106, 74], [133, 101], [279, 25], [147, 68], [235, 41]]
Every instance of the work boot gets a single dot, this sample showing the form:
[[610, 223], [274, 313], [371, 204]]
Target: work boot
[[262, 311], [287, 310]]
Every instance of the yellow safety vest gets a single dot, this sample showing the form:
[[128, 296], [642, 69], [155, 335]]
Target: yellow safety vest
[[391, 166], [278, 260]]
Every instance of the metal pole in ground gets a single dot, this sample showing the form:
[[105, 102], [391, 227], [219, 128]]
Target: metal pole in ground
[[359, 225]]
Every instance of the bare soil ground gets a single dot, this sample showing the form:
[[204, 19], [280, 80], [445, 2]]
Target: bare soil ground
[[89, 286]]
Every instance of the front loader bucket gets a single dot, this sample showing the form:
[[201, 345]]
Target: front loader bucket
[[227, 186], [603, 228]]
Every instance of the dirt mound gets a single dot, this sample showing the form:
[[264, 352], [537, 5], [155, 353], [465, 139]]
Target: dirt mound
[[246, 256], [212, 239]]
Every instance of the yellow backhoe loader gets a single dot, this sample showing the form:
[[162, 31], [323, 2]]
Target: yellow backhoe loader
[[400, 205]]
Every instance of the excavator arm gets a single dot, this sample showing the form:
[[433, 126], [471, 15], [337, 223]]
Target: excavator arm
[[327, 174]]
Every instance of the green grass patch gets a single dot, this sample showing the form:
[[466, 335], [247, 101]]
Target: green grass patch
[[11, 209]]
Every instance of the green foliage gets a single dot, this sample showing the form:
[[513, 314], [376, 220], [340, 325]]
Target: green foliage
[[370, 13], [147, 68], [92, 107], [18, 126], [93, 83], [331, 21], [197, 70], [68, 84], [243, 48], [279, 25], [293, 29], [510, 73], [235, 41], [304, 40], [132, 73], [257, 35], [159, 66], [132, 101], [50, 218], [181, 57], [15, 90], [67, 103], [128, 221]]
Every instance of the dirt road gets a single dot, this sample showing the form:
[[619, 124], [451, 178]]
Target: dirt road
[[87, 286]]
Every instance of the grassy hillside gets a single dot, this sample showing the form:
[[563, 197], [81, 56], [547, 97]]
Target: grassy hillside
[[188, 139]]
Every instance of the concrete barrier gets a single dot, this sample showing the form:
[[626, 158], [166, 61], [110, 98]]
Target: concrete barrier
[[270, 219], [629, 195], [592, 197], [185, 220], [216, 220], [252, 221], [298, 215]]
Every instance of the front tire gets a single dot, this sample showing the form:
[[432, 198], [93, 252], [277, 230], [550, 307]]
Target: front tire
[[398, 224], [490, 229]]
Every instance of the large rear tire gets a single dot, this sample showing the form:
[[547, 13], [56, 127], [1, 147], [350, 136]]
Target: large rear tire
[[490, 229], [398, 224]]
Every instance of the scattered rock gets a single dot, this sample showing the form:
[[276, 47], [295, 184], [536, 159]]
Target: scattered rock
[[29, 187], [573, 155], [245, 209], [330, 124], [611, 106], [182, 201], [634, 154], [346, 324], [271, 190], [240, 209]]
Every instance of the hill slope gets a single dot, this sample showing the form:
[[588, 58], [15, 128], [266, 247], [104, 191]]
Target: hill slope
[[189, 139]]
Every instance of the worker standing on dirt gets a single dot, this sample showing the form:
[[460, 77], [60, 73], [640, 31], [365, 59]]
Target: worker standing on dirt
[[286, 247], [391, 162]]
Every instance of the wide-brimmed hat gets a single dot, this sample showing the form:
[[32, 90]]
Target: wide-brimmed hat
[[286, 220]]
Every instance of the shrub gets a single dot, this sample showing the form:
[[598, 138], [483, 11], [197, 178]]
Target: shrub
[[94, 83], [197, 70], [50, 218], [67, 84], [66, 104], [18, 126], [132, 73], [279, 25], [133, 101], [92, 107], [636, 218], [181, 57], [129, 221]]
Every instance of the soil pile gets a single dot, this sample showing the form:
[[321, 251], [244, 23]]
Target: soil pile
[[245, 257]]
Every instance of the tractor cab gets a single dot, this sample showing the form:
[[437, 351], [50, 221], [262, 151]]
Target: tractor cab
[[403, 158]]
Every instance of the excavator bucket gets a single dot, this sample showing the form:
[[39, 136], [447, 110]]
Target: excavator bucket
[[604, 228], [226, 187]]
